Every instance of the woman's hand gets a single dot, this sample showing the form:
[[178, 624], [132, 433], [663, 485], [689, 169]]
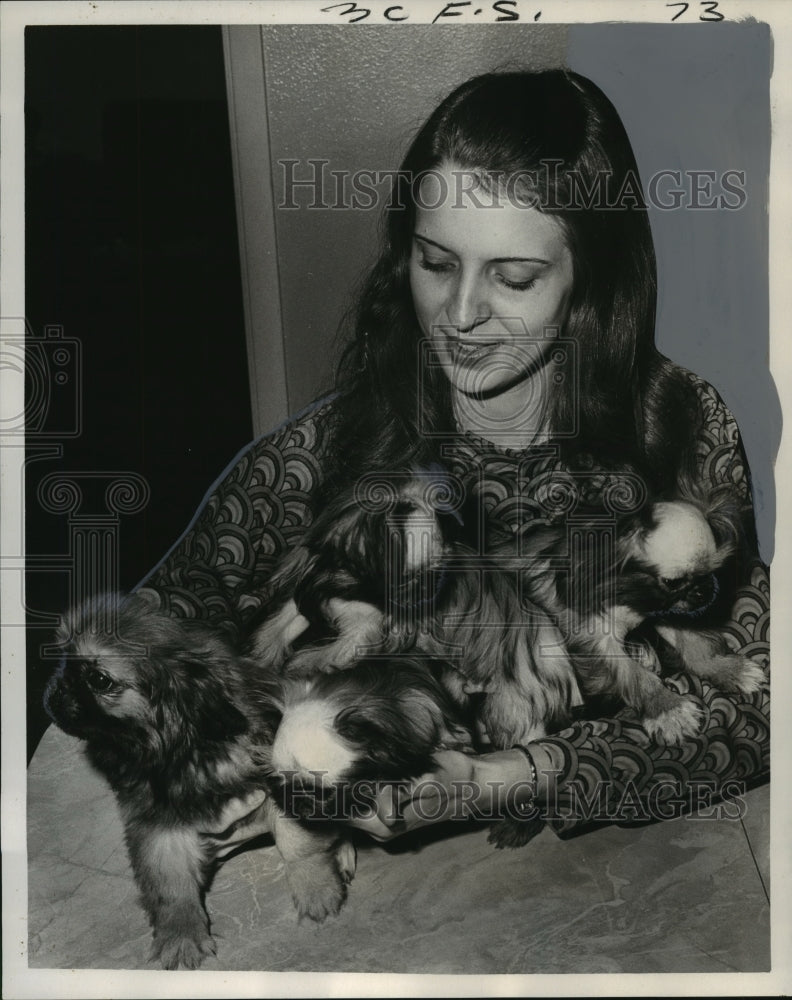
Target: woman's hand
[[488, 786]]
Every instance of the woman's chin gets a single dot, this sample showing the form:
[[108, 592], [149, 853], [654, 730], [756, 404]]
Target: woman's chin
[[484, 383]]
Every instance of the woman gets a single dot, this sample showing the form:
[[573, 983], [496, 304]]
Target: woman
[[506, 334]]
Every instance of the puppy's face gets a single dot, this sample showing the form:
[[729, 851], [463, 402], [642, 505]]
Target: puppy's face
[[672, 561], [384, 531], [343, 734], [310, 760], [145, 692], [94, 694]]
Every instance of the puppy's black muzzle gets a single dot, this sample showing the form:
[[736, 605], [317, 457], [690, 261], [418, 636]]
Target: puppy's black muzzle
[[695, 595], [66, 700], [62, 706], [301, 797]]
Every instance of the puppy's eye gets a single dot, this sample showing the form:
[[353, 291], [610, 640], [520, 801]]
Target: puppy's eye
[[98, 681], [672, 582]]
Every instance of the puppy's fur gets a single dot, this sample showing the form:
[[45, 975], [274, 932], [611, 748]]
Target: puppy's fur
[[358, 557], [180, 725]]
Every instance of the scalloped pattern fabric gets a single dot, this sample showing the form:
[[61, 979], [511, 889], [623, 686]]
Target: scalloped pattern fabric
[[255, 512], [260, 506]]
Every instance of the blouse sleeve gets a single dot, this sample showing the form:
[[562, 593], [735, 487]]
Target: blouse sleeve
[[609, 770], [256, 511]]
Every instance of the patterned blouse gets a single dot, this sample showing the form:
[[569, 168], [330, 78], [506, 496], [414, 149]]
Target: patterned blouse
[[608, 769]]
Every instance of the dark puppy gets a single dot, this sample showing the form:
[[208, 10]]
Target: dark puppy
[[180, 726], [369, 549]]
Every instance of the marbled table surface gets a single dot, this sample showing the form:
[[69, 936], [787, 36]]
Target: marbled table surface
[[689, 895]]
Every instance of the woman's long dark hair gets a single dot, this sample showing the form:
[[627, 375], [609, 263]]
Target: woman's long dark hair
[[563, 140]]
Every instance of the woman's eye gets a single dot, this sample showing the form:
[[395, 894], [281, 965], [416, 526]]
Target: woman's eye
[[517, 286], [516, 278], [99, 681], [439, 266]]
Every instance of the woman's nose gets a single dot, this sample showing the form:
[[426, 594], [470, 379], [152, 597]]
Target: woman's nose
[[468, 307]]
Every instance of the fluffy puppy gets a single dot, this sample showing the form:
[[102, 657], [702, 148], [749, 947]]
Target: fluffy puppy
[[180, 725], [658, 576], [367, 550], [342, 735]]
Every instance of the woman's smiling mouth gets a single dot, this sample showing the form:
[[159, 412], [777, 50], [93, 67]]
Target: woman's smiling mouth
[[467, 351]]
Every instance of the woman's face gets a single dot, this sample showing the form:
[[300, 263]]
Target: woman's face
[[488, 277]]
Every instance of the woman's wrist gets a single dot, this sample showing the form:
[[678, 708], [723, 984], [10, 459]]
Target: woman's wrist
[[520, 776], [543, 771], [504, 783]]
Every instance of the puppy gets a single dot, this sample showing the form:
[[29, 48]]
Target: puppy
[[658, 576], [522, 627], [180, 725], [342, 735], [369, 549]]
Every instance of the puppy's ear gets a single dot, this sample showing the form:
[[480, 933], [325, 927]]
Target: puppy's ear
[[386, 737], [218, 719], [725, 519], [630, 543], [192, 703]]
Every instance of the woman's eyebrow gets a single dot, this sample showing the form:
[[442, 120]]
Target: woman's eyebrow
[[495, 260], [434, 243]]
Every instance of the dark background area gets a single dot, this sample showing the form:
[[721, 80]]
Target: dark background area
[[131, 249]]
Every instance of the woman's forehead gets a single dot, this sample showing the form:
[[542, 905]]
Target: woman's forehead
[[459, 209]]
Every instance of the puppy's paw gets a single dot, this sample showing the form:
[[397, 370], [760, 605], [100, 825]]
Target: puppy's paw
[[318, 893], [346, 859], [179, 948], [317, 660], [675, 725], [514, 833], [736, 674], [753, 676]]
